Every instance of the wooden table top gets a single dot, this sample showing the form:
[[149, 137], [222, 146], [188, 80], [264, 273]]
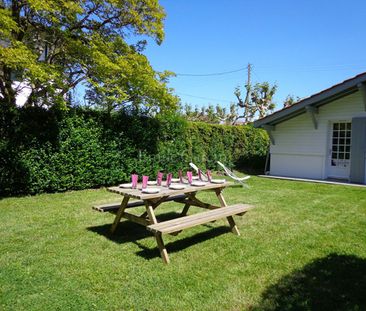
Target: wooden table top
[[164, 191]]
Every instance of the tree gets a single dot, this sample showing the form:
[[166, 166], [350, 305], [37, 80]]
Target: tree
[[246, 105], [262, 97], [211, 114], [290, 100], [231, 115], [258, 100], [52, 46]]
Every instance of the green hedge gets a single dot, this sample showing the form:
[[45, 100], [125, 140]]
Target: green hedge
[[49, 151], [237, 146]]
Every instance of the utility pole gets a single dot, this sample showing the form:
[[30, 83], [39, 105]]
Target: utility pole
[[247, 96], [249, 69], [245, 104]]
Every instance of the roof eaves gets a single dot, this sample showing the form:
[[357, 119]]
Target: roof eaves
[[339, 90]]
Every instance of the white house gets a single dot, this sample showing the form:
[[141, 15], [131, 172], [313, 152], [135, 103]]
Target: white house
[[322, 136]]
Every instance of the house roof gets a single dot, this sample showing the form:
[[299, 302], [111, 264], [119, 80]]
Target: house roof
[[324, 97]]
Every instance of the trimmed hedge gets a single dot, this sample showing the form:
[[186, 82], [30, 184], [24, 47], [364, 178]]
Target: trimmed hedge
[[237, 146], [50, 151]]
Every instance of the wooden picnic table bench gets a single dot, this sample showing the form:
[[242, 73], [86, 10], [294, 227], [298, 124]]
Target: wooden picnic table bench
[[185, 222], [178, 224], [186, 196]]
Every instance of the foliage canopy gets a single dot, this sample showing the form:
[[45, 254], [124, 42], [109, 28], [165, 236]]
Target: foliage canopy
[[211, 114], [258, 101], [52, 46]]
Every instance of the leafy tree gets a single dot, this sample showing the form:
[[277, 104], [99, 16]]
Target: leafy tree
[[290, 100], [262, 97], [231, 115], [227, 117], [246, 105], [192, 114], [211, 114], [52, 46], [258, 100]]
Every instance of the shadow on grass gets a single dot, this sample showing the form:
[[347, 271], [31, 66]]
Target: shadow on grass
[[178, 245], [129, 232], [335, 282]]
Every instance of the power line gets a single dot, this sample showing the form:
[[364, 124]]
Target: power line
[[256, 74], [295, 68], [210, 74], [249, 69], [206, 98]]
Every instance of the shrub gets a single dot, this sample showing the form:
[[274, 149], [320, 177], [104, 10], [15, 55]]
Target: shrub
[[48, 151]]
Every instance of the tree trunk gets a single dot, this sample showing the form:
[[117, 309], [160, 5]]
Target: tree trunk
[[7, 92]]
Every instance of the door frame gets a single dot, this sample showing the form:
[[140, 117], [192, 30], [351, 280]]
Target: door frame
[[328, 151]]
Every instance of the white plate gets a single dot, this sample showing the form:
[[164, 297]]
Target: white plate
[[152, 182], [125, 186], [150, 190], [175, 180], [198, 183], [218, 181], [177, 187]]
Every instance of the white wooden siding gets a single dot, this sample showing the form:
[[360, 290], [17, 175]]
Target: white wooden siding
[[300, 150], [297, 165]]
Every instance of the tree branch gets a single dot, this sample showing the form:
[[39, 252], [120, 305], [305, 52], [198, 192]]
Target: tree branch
[[79, 24]]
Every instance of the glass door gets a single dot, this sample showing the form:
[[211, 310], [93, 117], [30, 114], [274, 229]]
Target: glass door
[[340, 150]]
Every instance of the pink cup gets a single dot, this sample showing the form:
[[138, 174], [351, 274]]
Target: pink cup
[[159, 179], [134, 179], [169, 179], [145, 179], [209, 176], [189, 177]]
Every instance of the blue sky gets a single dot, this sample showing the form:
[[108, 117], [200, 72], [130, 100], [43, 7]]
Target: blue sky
[[302, 46]]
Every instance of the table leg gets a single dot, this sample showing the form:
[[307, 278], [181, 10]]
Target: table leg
[[230, 219], [154, 204], [119, 214], [163, 252], [150, 213], [185, 209], [159, 240]]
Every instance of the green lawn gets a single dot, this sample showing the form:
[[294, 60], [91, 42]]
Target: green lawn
[[302, 247]]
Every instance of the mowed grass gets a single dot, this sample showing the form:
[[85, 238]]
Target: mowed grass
[[302, 247]]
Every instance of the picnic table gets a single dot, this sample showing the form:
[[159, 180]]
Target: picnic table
[[187, 197]]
